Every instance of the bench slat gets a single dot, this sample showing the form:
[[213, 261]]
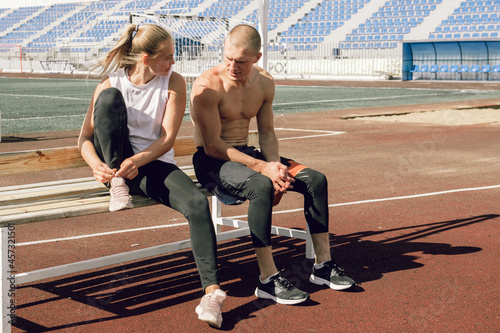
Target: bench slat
[[57, 188], [57, 213], [49, 191], [15, 163], [68, 202]]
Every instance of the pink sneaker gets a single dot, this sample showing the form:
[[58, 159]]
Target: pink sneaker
[[210, 308], [120, 199]]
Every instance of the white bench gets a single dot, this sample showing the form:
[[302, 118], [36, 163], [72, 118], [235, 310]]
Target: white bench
[[22, 204]]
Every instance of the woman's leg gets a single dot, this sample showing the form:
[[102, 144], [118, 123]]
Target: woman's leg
[[170, 186], [110, 128], [112, 143]]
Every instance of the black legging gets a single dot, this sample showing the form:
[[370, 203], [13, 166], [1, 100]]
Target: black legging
[[158, 180], [240, 181]]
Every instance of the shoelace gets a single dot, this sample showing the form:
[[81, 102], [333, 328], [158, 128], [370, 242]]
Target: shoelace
[[284, 283], [213, 303], [336, 269], [119, 191]]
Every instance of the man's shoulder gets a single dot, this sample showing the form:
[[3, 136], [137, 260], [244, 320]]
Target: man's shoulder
[[213, 75], [264, 76], [209, 79]]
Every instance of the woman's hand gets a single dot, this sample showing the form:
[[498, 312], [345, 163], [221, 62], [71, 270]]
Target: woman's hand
[[103, 173], [128, 169]]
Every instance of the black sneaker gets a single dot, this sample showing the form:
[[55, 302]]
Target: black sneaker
[[331, 275], [281, 291]]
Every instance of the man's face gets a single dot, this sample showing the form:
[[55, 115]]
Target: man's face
[[239, 61]]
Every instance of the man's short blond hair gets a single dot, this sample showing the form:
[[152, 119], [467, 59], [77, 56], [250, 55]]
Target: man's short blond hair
[[245, 36]]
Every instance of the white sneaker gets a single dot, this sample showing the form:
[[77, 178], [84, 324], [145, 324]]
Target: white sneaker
[[120, 199], [210, 308]]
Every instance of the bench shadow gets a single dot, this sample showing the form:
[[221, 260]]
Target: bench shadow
[[148, 285]]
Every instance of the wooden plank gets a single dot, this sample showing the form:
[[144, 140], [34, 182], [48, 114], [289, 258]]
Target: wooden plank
[[40, 160], [38, 210], [45, 190], [50, 191], [72, 211], [41, 184], [15, 163]]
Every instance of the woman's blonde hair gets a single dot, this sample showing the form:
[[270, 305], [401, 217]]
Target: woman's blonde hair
[[133, 43]]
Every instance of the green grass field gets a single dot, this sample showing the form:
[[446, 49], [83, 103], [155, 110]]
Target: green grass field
[[40, 105]]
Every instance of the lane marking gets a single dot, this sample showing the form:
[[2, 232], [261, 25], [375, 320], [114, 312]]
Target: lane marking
[[48, 117], [277, 212], [46, 96], [324, 133], [364, 99], [102, 234]]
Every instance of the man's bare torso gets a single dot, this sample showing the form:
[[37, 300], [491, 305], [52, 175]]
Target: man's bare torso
[[237, 105]]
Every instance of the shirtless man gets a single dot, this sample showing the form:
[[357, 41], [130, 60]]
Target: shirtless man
[[223, 101]]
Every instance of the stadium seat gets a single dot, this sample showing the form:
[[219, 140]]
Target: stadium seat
[[433, 70], [454, 69], [464, 69], [414, 69], [443, 69], [495, 69], [475, 69], [485, 69]]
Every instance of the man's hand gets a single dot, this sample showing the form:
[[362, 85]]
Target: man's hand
[[278, 173]]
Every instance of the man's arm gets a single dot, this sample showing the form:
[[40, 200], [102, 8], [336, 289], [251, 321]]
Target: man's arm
[[268, 140], [205, 115]]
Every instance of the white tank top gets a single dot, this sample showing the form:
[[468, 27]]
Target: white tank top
[[145, 110]]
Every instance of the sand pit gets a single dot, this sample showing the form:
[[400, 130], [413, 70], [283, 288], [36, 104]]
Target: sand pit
[[458, 117]]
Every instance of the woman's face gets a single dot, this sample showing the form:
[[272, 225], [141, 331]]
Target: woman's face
[[162, 63]]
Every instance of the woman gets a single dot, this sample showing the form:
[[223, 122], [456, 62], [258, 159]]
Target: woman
[[127, 138]]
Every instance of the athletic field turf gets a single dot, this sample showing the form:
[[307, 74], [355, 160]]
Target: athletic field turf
[[40, 104]]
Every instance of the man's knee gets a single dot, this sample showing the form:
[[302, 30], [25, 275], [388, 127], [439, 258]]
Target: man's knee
[[316, 180], [260, 186]]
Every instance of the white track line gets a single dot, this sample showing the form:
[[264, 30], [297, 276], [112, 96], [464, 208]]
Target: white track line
[[48, 117], [46, 96], [277, 212], [102, 234], [365, 99], [324, 133]]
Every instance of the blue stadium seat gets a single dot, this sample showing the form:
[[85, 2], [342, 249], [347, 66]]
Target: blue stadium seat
[[454, 69], [424, 68], [485, 69], [464, 69], [495, 69], [474, 68]]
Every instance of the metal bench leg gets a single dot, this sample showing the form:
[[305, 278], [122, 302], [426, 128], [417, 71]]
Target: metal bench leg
[[309, 245], [216, 214]]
